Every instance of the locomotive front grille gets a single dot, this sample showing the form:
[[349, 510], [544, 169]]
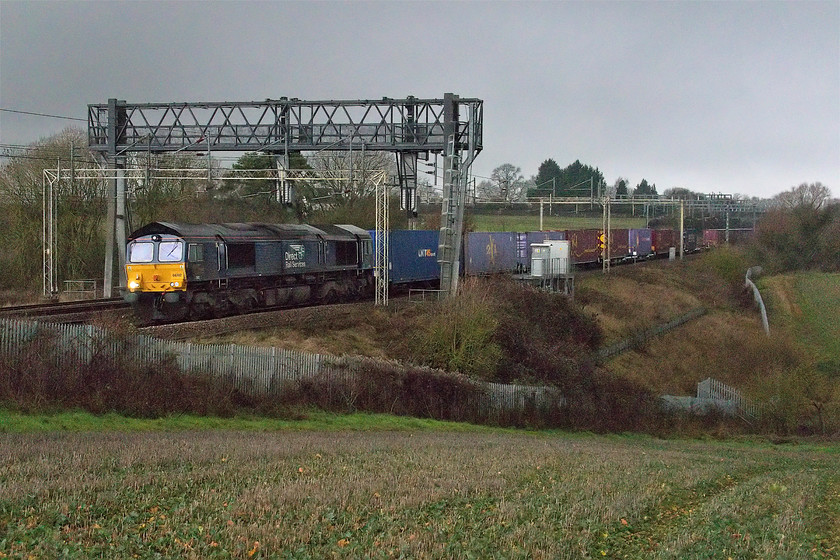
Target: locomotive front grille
[[156, 277]]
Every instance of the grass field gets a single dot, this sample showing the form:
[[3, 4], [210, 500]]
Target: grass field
[[819, 299], [808, 304], [489, 222], [409, 490]]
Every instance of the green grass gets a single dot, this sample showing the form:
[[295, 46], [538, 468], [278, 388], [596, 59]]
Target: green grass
[[818, 296], [80, 421], [488, 222], [807, 304], [417, 492]]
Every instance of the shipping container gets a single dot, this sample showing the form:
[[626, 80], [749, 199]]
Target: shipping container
[[584, 245], [619, 243], [690, 241], [738, 236], [490, 252], [713, 237], [412, 255], [641, 242], [662, 240]]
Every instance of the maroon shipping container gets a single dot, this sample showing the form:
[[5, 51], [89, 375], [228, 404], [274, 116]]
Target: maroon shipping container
[[619, 243], [712, 238], [663, 240], [584, 245]]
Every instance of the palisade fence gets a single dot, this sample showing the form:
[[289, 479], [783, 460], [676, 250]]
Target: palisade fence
[[714, 396], [713, 389], [252, 370]]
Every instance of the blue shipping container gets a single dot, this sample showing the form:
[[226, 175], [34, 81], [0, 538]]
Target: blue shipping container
[[412, 255], [640, 242], [490, 252]]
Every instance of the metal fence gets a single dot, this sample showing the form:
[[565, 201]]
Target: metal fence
[[253, 370], [642, 337], [713, 389], [713, 395]]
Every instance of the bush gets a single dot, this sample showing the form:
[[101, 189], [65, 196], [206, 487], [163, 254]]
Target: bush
[[459, 335], [362, 384], [31, 381], [543, 337]]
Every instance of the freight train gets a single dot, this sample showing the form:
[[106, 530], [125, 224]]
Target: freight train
[[180, 271]]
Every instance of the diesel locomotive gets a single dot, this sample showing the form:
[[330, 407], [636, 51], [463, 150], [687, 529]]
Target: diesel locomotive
[[179, 271]]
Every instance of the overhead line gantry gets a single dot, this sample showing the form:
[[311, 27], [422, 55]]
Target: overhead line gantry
[[411, 128]]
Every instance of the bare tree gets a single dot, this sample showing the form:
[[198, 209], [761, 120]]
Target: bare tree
[[344, 178], [811, 195], [506, 184]]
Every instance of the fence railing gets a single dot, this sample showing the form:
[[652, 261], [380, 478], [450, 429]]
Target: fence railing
[[641, 338], [80, 289], [713, 389], [250, 369]]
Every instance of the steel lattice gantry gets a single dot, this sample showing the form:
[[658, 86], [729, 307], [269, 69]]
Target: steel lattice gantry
[[411, 128]]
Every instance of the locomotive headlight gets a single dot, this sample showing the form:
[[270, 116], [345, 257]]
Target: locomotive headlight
[[174, 284], [133, 285]]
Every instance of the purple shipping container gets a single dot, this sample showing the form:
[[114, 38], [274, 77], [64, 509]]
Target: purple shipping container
[[584, 245], [412, 255], [490, 252], [640, 242]]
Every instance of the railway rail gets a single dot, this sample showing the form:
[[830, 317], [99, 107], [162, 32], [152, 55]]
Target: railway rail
[[66, 311]]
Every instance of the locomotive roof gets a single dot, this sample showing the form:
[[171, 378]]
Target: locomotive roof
[[253, 231]]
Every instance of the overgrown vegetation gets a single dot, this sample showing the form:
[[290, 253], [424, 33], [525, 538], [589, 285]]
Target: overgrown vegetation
[[112, 382], [802, 233]]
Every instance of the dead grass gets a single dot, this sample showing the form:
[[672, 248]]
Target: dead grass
[[421, 495]]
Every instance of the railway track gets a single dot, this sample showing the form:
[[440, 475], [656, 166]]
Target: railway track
[[65, 311], [257, 320]]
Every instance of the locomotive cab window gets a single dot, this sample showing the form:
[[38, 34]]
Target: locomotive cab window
[[195, 253], [141, 252], [170, 251]]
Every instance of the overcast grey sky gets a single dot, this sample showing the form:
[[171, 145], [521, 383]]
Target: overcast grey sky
[[738, 97]]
